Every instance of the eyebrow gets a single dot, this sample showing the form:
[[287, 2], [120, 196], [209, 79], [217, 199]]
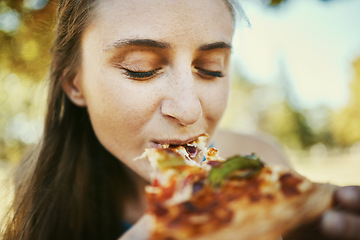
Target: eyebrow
[[162, 45], [137, 42], [215, 45]]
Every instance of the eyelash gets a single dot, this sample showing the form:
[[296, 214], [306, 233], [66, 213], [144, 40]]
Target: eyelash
[[140, 75], [146, 75], [210, 73]]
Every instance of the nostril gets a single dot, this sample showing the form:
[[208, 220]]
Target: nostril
[[186, 111]]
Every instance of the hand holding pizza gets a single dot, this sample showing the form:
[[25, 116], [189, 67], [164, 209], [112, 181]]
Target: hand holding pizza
[[193, 198], [217, 198], [343, 221], [340, 222]]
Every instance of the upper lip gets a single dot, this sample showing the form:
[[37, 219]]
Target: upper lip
[[176, 141]]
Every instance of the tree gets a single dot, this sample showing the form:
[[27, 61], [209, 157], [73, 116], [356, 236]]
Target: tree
[[26, 37], [346, 122], [25, 41]]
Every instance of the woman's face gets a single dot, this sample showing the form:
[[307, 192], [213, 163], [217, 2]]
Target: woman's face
[[155, 72]]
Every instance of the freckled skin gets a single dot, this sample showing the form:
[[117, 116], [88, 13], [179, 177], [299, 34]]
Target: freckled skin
[[179, 102]]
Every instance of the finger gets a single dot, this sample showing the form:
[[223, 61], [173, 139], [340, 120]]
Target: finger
[[348, 197], [341, 225]]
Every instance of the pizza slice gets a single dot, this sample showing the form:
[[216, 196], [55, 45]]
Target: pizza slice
[[195, 194]]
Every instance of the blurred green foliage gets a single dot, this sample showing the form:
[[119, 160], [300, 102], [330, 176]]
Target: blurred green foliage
[[26, 32], [268, 109], [26, 37], [346, 122]]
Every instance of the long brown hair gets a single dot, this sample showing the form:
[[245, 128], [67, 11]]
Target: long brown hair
[[75, 188], [70, 187]]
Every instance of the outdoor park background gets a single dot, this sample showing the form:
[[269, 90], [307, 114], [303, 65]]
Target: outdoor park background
[[296, 77]]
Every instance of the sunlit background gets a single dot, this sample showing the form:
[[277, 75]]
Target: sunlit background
[[296, 77]]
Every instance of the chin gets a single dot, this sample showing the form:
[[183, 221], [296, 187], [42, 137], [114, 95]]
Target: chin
[[142, 167]]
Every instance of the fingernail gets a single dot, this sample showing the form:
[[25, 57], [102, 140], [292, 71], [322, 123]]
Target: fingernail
[[333, 223]]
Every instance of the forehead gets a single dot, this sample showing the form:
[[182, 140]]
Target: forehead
[[175, 21]]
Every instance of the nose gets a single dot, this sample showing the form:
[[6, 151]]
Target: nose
[[182, 103]]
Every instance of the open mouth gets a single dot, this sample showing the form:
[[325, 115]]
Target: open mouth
[[192, 151], [188, 151]]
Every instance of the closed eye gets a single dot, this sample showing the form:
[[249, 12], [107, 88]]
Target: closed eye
[[209, 74], [138, 75]]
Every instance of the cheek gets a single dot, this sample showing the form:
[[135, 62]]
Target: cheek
[[214, 101], [114, 106], [119, 116], [119, 111]]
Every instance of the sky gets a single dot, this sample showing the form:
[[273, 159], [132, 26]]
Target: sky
[[310, 43]]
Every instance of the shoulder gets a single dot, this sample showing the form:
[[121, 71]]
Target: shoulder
[[230, 143]]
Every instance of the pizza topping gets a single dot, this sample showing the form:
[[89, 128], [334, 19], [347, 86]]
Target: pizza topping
[[199, 219], [243, 173], [197, 186], [181, 194], [238, 167], [160, 210], [223, 214], [212, 154], [173, 176], [213, 163], [169, 159], [189, 206], [290, 184]]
